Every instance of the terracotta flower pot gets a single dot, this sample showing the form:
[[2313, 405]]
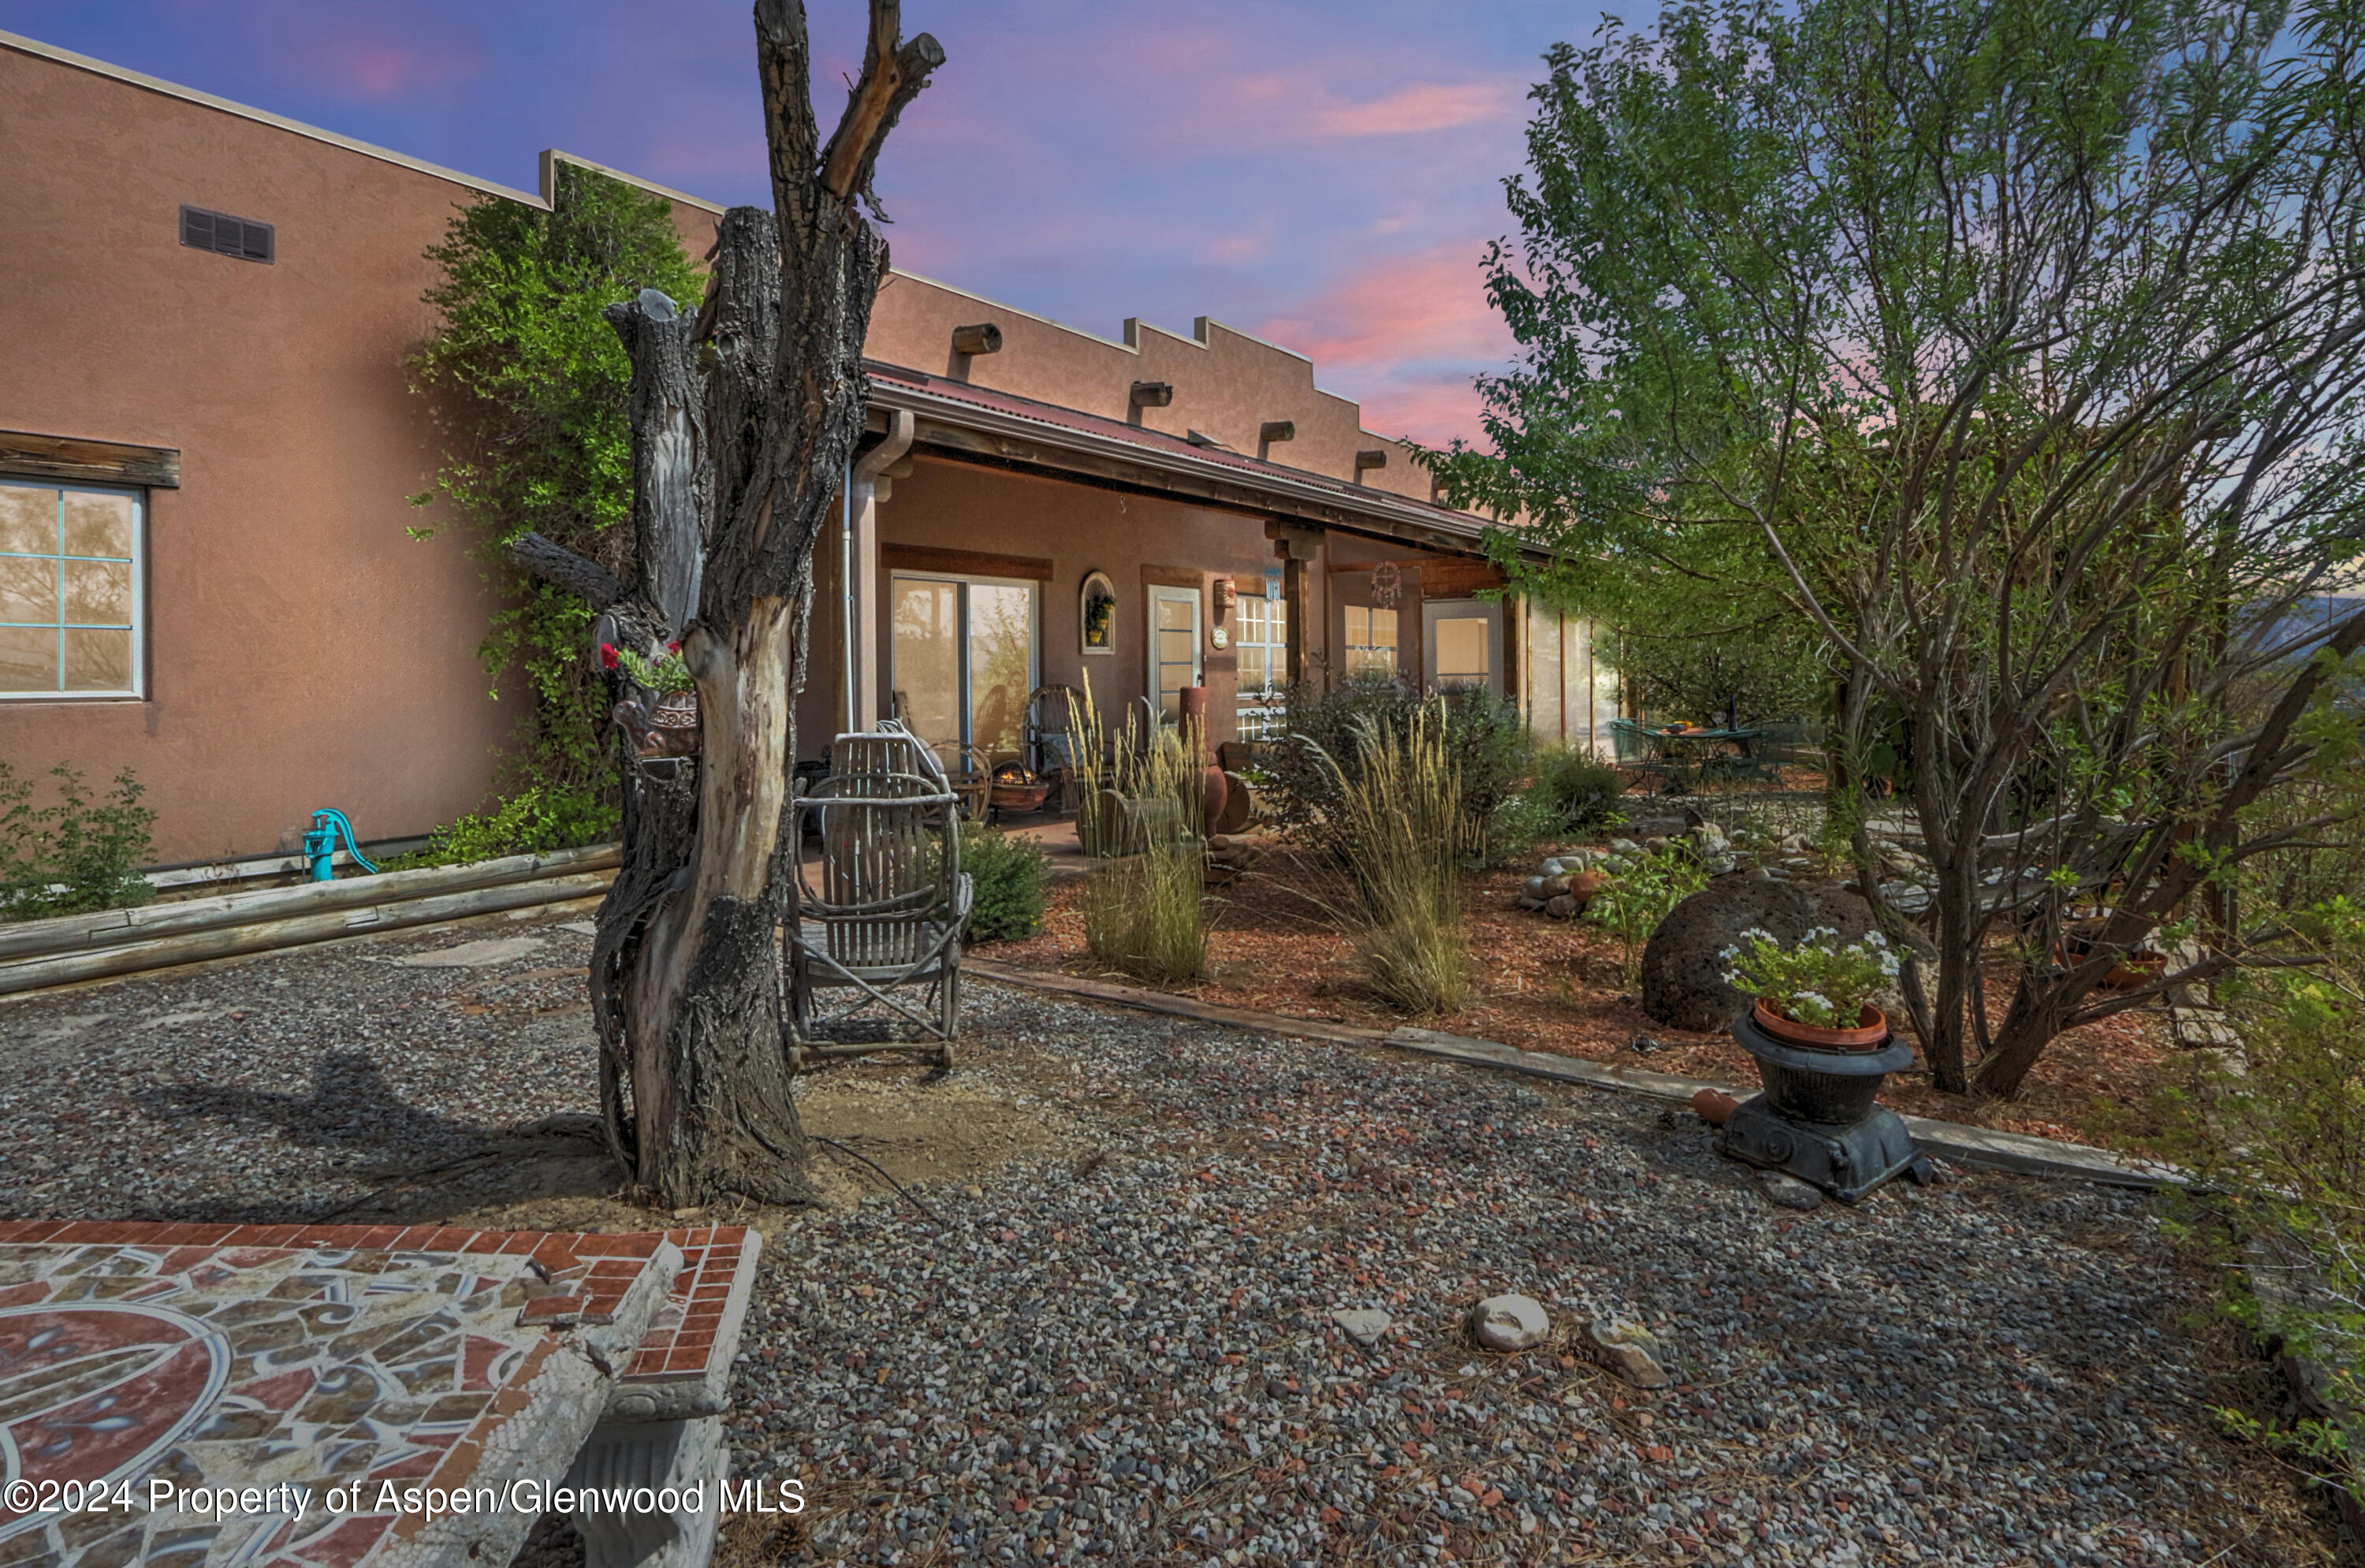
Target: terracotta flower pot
[[2139, 968], [1869, 1034]]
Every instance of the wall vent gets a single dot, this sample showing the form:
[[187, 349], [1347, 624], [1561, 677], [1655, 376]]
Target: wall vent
[[226, 236]]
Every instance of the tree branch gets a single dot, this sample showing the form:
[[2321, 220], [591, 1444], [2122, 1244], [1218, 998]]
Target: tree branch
[[893, 72], [553, 563]]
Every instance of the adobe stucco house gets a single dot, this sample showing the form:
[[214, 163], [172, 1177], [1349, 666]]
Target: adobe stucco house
[[206, 439]]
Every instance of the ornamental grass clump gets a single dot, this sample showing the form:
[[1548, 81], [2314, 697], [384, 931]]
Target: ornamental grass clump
[[1146, 914], [1818, 981], [1396, 828]]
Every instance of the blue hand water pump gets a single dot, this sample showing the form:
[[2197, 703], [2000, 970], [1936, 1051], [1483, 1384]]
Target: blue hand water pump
[[320, 843]]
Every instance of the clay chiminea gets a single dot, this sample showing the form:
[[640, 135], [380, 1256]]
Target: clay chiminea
[[1213, 788]]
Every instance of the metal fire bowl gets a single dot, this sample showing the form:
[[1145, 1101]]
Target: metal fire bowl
[[1817, 1119]]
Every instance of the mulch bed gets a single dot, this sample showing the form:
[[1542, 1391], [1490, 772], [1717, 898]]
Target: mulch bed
[[1552, 985]]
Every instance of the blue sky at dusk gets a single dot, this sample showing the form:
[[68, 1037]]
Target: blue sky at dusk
[[1322, 172]]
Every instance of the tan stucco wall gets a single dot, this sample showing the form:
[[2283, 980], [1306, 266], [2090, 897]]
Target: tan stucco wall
[[302, 651], [1226, 385]]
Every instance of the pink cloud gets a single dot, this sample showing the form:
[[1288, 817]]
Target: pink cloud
[[1433, 412], [1428, 105], [1404, 335], [371, 65], [1398, 309]]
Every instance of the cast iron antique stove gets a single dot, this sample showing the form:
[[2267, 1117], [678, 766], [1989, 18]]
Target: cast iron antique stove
[[1817, 1119]]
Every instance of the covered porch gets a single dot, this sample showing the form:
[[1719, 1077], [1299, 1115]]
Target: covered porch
[[991, 546]]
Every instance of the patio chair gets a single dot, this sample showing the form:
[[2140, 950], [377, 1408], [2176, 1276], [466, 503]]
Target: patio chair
[[1050, 739], [969, 773], [1637, 750], [880, 915]]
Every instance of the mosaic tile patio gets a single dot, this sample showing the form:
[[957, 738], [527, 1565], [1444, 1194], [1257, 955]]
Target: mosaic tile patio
[[143, 1366]]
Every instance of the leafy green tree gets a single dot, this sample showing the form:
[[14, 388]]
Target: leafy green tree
[[529, 384], [2016, 347]]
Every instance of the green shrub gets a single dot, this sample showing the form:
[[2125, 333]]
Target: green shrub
[[1518, 830], [1485, 738], [2278, 1140], [1008, 873], [1579, 788], [530, 386], [535, 821], [1639, 895], [75, 856]]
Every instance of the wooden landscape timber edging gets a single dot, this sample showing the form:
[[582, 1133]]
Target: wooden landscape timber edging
[[2019, 1153], [73, 948]]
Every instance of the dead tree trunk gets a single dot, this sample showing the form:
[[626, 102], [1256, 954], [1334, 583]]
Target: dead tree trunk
[[742, 423]]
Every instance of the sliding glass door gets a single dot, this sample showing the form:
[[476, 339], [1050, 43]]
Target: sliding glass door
[[965, 657]]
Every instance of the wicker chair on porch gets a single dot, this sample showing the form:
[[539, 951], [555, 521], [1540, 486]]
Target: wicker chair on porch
[[881, 914]]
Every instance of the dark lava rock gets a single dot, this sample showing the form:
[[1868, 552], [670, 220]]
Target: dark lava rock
[[1684, 963]]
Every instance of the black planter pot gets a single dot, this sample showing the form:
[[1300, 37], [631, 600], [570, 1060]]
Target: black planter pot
[[1833, 1087], [1817, 1119]]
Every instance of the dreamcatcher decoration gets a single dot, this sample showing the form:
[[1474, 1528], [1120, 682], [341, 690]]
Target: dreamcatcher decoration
[[1388, 585]]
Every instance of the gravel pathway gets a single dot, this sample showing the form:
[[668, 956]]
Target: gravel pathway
[[1116, 1344]]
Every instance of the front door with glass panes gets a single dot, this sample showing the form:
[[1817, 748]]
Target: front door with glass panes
[[1371, 642], [965, 660], [1173, 648], [1263, 640]]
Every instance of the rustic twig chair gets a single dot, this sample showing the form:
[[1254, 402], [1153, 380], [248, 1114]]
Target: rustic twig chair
[[880, 916], [1051, 742]]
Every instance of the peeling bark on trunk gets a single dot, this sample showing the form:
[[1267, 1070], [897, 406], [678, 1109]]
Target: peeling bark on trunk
[[742, 421]]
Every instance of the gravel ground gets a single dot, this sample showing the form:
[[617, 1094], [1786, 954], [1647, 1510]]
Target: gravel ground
[[1114, 1342]]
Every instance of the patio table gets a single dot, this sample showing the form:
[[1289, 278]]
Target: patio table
[[1701, 744], [313, 1376]]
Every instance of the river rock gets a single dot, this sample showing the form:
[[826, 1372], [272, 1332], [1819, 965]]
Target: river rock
[[1789, 1191], [1364, 1324], [1628, 1349], [1510, 1322]]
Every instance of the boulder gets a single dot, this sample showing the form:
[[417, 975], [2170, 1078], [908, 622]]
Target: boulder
[[1684, 962]]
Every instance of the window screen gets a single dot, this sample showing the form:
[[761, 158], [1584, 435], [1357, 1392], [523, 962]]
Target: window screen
[[226, 236]]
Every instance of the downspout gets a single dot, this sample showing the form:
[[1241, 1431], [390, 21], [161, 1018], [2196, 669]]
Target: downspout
[[859, 545]]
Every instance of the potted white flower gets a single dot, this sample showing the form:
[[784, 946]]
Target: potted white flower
[[1815, 993]]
